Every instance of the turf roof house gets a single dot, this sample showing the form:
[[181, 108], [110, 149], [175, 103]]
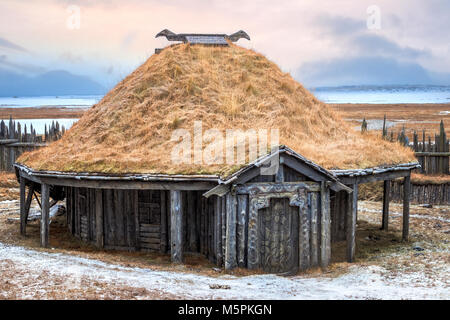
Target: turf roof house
[[123, 191]]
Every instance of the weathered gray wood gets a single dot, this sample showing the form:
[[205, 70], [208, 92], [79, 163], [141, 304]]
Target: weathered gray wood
[[23, 221], [241, 236], [163, 222], [375, 176], [386, 194], [99, 240], [224, 225], [351, 223], [28, 204], [314, 230], [230, 249], [45, 197], [98, 183], [135, 198], [325, 237], [279, 177], [406, 192], [176, 217], [304, 233], [218, 230]]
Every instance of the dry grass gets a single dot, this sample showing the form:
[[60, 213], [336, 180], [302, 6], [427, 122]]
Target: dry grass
[[9, 187], [41, 113], [226, 88], [414, 117], [418, 178]]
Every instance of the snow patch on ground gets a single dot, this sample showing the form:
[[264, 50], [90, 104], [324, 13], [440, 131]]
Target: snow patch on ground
[[372, 282]]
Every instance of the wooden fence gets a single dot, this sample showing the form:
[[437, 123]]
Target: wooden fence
[[422, 192], [432, 153], [14, 140]]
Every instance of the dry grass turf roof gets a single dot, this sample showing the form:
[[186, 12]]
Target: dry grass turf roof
[[130, 129]]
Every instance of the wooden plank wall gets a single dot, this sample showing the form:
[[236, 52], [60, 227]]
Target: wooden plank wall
[[338, 208]]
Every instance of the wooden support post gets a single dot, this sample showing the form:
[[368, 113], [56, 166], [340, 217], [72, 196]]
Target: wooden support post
[[386, 193], [241, 219], [23, 219], [230, 248], [352, 210], [28, 205], [176, 220], [163, 235], [45, 204], [325, 236], [99, 218], [218, 231], [406, 191]]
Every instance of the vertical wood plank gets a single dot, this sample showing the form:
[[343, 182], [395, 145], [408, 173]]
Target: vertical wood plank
[[325, 238], [163, 245], [99, 241], [241, 234], [45, 203], [135, 205], [224, 225], [176, 217], [314, 231], [218, 230], [406, 190], [230, 248], [304, 233], [386, 193], [351, 223]]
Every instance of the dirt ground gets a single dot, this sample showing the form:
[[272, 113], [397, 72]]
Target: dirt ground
[[41, 113], [413, 116]]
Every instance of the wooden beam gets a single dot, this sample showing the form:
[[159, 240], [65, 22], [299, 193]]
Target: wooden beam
[[386, 194], [99, 237], [374, 177], [230, 248], [241, 221], [325, 236], [72, 181], [163, 231], [23, 221], [406, 192], [176, 220], [37, 199], [218, 230], [45, 197], [352, 210], [28, 205]]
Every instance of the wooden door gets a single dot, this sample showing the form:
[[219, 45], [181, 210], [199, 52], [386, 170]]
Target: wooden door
[[278, 234], [149, 206]]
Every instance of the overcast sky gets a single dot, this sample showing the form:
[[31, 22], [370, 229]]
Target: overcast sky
[[319, 42]]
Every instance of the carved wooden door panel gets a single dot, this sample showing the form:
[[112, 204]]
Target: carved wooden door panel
[[278, 245]]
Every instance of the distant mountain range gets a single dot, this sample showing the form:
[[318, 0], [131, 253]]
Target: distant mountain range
[[51, 83]]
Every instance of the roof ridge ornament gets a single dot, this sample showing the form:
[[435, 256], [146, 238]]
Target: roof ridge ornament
[[203, 38]]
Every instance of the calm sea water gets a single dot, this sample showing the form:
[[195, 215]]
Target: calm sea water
[[383, 94], [38, 102], [61, 102]]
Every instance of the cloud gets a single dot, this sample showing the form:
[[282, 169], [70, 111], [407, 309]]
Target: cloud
[[362, 71], [338, 25], [377, 45], [21, 67], [4, 43]]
